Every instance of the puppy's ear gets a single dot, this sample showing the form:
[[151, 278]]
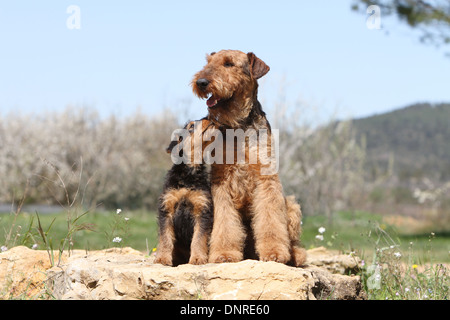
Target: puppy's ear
[[175, 143], [171, 146], [258, 67]]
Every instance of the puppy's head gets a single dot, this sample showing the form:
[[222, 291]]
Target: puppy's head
[[187, 143]]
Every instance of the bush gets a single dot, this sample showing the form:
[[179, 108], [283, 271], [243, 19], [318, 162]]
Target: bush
[[76, 155]]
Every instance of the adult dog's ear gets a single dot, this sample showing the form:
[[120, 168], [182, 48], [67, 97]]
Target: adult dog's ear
[[258, 67], [208, 56]]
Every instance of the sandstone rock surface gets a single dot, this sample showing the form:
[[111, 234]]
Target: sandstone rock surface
[[129, 274]]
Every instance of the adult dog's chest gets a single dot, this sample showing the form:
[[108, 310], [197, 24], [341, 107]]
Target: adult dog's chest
[[238, 181]]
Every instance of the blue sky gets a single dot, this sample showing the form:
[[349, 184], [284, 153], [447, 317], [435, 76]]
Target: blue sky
[[143, 54]]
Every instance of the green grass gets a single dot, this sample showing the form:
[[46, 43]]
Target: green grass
[[349, 232], [363, 232], [397, 265], [98, 229]]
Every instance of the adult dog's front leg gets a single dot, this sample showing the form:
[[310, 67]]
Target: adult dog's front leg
[[270, 221], [228, 234]]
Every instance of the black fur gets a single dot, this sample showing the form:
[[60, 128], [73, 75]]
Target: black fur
[[193, 178]]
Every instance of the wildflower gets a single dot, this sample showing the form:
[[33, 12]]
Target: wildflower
[[154, 249], [319, 237], [397, 254], [34, 247], [117, 239], [322, 230], [363, 263], [4, 248], [406, 289], [414, 266], [126, 219], [118, 211]]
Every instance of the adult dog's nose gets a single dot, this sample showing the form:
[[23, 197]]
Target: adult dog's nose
[[202, 83]]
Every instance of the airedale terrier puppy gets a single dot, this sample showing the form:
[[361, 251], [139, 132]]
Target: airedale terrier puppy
[[185, 212], [206, 133], [245, 200]]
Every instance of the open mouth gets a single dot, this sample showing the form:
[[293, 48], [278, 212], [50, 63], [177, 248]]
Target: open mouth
[[214, 101]]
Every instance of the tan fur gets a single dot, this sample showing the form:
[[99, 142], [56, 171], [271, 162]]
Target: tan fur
[[240, 192], [199, 244], [298, 254]]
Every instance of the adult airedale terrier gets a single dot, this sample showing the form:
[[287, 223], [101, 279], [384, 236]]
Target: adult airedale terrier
[[203, 133], [185, 212], [247, 203]]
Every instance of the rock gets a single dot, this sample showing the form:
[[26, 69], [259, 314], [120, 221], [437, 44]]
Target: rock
[[133, 276], [23, 270], [129, 274], [334, 262]]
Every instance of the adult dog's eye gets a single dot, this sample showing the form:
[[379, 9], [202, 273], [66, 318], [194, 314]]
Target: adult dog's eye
[[228, 64]]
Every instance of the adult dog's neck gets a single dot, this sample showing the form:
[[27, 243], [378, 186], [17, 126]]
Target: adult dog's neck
[[242, 113]]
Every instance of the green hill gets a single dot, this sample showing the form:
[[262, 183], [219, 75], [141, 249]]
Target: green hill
[[416, 137]]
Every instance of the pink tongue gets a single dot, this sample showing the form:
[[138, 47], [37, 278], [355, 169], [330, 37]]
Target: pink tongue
[[211, 102]]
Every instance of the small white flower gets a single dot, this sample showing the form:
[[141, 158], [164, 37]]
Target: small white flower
[[34, 246], [118, 211], [322, 230], [126, 219], [319, 237], [4, 248], [397, 254], [406, 289], [117, 239]]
